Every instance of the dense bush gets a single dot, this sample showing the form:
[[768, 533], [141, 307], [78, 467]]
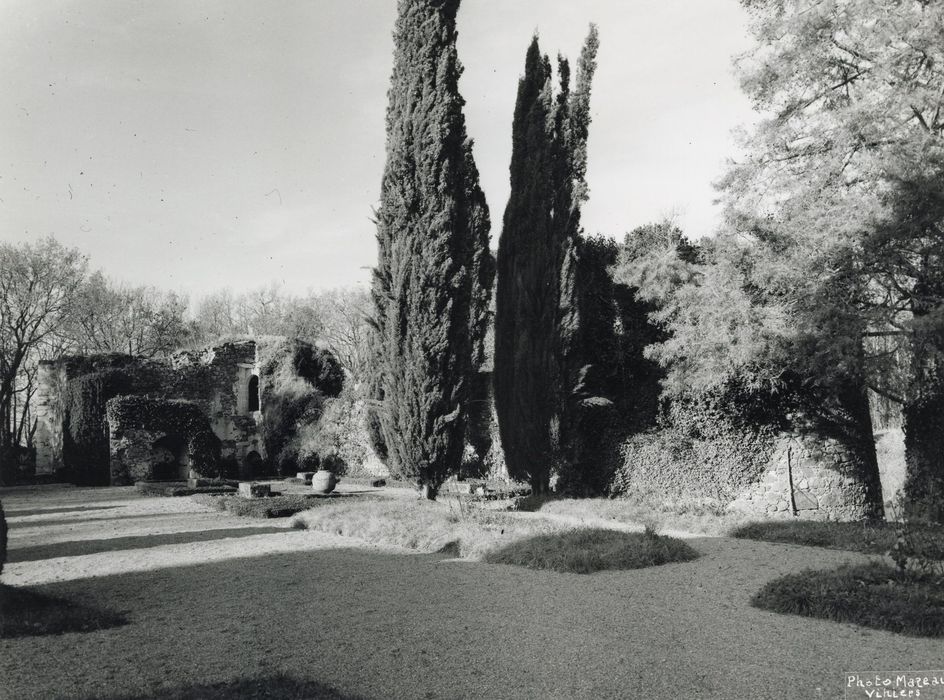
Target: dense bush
[[340, 438], [296, 377]]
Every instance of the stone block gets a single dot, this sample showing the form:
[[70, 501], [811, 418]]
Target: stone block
[[305, 476], [250, 490], [805, 501]]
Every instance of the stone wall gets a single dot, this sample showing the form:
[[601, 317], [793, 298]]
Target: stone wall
[[809, 477], [216, 379], [48, 413], [133, 456]]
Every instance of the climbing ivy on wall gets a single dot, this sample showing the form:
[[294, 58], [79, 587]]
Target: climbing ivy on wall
[[172, 417], [85, 435]]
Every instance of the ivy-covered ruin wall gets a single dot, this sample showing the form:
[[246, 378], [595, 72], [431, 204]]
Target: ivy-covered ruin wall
[[72, 436], [139, 426]]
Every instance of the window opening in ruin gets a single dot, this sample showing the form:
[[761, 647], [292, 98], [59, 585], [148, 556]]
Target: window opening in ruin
[[254, 393]]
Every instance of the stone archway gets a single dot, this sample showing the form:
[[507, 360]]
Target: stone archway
[[169, 461], [253, 465]]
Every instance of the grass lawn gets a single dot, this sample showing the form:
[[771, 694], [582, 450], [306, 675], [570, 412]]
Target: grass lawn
[[25, 613], [223, 611], [865, 537], [873, 595]]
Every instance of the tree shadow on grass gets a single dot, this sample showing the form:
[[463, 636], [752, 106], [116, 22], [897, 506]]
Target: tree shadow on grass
[[114, 544], [51, 511], [276, 686], [82, 521], [584, 551], [26, 613]]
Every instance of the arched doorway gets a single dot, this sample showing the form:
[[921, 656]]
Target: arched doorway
[[253, 404], [169, 459], [253, 465]]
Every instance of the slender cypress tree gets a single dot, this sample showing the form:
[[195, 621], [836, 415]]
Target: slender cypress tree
[[434, 271], [536, 323]]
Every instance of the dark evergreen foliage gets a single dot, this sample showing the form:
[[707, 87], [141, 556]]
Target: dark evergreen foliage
[[3, 538], [537, 360], [433, 276]]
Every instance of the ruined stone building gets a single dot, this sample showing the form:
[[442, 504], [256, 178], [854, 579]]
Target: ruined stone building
[[114, 419]]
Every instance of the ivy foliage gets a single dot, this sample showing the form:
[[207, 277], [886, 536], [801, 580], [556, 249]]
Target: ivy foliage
[[172, 417], [84, 398]]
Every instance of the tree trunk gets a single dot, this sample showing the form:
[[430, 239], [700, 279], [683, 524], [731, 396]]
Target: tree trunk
[[923, 425]]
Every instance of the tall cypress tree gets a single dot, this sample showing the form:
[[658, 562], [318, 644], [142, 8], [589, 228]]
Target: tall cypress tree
[[434, 271], [536, 322]]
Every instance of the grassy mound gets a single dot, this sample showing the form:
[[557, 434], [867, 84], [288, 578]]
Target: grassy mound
[[584, 551], [867, 537], [26, 613], [873, 595]]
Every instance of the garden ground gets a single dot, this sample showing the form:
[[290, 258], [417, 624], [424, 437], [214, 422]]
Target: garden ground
[[219, 606]]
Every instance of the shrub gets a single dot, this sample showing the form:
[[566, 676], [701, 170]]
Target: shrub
[[340, 436], [873, 595], [282, 506], [296, 379], [585, 551]]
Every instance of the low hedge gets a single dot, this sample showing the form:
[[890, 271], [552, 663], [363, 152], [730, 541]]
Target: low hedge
[[281, 506]]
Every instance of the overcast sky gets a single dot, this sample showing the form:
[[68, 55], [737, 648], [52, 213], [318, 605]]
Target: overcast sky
[[196, 144]]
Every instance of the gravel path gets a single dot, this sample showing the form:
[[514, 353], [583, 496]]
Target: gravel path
[[324, 616]]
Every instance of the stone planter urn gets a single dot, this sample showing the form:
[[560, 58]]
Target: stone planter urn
[[323, 481]]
